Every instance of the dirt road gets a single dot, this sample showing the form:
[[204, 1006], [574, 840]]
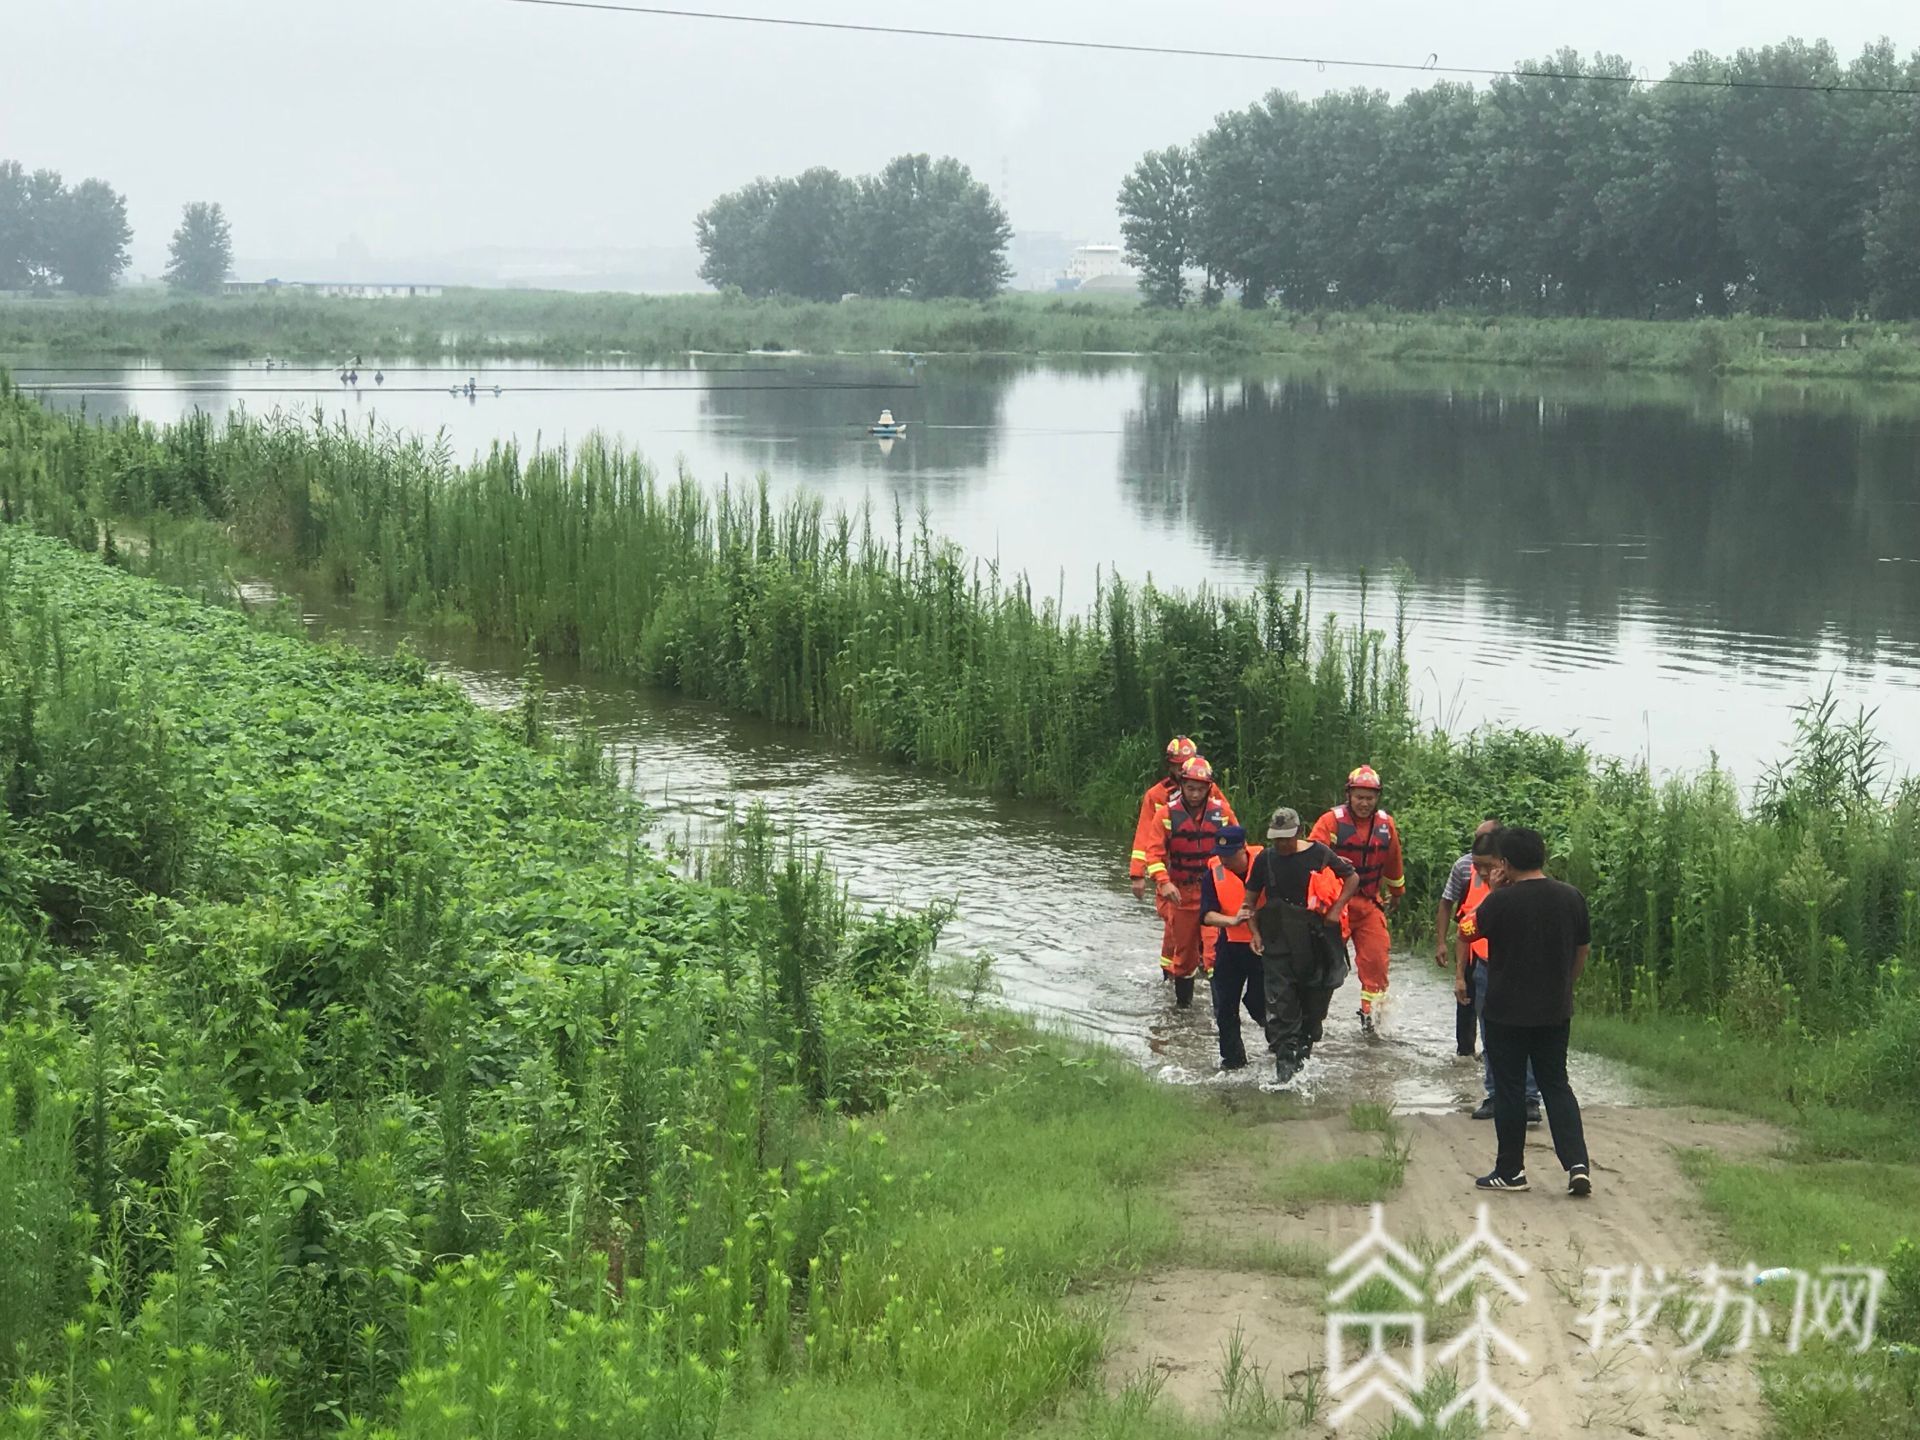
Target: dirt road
[[1178, 1326]]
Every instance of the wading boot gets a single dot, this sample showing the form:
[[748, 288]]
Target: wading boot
[[1183, 991], [1286, 1065]]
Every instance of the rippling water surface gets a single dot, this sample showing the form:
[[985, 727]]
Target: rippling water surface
[[1663, 568]]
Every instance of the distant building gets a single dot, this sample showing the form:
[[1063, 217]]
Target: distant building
[[367, 290], [1097, 262], [333, 289]]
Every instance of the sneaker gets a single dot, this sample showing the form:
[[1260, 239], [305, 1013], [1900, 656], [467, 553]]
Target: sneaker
[[1494, 1180], [1485, 1112], [1579, 1183], [1534, 1116]]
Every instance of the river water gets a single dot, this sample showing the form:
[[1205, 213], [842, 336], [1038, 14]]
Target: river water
[[1662, 568]]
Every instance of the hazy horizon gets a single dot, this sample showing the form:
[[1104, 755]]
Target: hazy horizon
[[453, 126]]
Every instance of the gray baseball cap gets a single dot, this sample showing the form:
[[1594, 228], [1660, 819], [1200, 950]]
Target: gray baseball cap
[[1285, 824]]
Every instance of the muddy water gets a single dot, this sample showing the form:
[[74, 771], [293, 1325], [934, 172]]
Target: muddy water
[[901, 838]]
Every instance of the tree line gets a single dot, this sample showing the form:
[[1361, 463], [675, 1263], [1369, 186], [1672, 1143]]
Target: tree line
[[1554, 194], [56, 236], [921, 228]]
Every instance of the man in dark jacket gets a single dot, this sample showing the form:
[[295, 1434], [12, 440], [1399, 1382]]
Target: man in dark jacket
[[1297, 893], [1537, 936]]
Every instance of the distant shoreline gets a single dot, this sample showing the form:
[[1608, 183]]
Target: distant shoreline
[[555, 325]]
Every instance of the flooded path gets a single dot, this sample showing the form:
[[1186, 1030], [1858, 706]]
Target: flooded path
[[898, 837]]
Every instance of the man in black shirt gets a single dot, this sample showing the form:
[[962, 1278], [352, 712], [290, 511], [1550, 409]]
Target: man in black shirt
[[1537, 938], [1297, 892]]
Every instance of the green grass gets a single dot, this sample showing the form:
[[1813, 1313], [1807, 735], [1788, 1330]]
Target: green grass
[[361, 1077], [478, 324], [1841, 1190]]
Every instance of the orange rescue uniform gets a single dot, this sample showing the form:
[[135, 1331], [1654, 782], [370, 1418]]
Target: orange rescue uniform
[[1160, 793], [1373, 848], [1178, 848]]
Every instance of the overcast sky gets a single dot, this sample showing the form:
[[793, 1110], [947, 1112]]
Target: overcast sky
[[424, 127]]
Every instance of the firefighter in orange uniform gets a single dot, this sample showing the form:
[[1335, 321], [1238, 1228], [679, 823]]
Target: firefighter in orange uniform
[[1364, 835], [1179, 750], [1177, 851]]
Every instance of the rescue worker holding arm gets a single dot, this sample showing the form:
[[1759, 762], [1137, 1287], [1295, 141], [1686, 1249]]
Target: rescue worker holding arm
[[1364, 835], [1179, 750], [1302, 894], [1236, 969], [1178, 849], [1453, 895]]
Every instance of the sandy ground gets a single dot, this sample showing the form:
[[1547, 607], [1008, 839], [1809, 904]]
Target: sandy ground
[[1177, 1325]]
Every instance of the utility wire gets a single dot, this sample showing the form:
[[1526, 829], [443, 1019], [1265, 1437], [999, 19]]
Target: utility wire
[[215, 388], [1430, 67]]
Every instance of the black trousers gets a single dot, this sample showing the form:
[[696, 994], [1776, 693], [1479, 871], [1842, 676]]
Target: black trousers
[[1236, 981], [1509, 1049], [1296, 1013], [1466, 1025]]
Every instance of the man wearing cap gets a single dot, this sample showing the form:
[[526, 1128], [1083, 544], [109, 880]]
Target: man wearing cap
[[1236, 969], [1300, 890]]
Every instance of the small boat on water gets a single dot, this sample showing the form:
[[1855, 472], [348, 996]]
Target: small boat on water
[[886, 427]]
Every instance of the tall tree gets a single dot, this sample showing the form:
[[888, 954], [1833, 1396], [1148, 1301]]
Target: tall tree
[[965, 236], [16, 227], [1795, 182], [921, 228], [807, 235], [1420, 219], [1156, 221], [201, 253], [732, 236], [32, 211], [91, 237]]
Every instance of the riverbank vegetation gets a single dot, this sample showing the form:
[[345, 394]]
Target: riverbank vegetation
[[1781, 180], [359, 1062], [361, 1076], [477, 325], [1789, 909]]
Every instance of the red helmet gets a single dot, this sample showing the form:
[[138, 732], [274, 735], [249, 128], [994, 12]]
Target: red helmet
[[1196, 768], [1181, 748], [1364, 778]]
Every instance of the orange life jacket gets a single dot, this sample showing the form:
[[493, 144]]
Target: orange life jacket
[[1232, 892], [1189, 839], [1158, 794], [1365, 847], [1323, 891], [1469, 931]]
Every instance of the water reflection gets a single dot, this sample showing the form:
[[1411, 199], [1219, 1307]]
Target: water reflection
[[1649, 563], [1754, 533]]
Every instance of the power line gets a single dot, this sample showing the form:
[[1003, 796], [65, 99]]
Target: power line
[[1430, 67], [215, 388]]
